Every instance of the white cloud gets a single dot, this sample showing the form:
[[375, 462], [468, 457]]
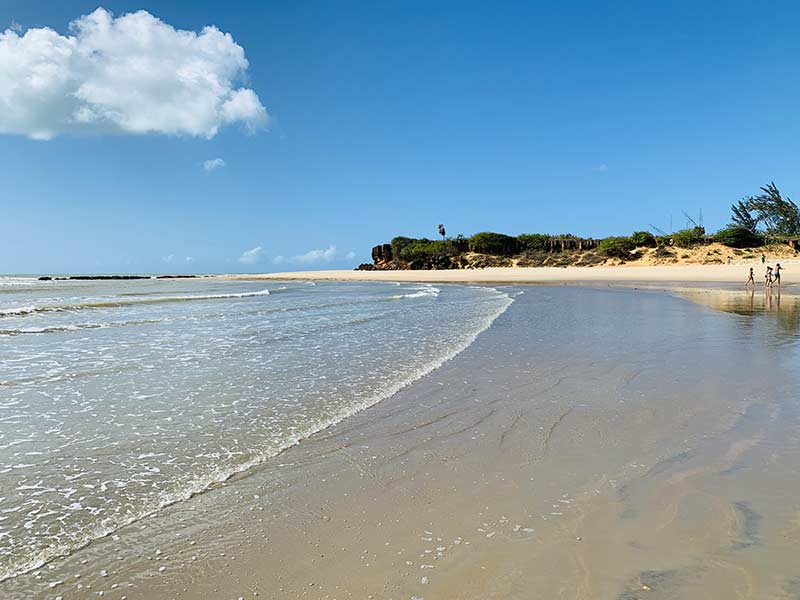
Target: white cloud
[[316, 256], [602, 168], [16, 27], [212, 164], [168, 259], [189, 259], [252, 256], [132, 74], [327, 255]]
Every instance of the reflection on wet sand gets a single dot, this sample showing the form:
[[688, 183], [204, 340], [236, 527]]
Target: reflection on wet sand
[[781, 309]]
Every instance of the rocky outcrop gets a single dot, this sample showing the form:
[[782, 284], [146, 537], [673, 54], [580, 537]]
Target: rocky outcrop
[[555, 251], [382, 255]]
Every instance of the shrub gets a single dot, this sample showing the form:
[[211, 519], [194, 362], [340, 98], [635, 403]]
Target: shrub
[[398, 244], [461, 243], [739, 237], [663, 240], [616, 247], [643, 238], [532, 241], [687, 238], [424, 249], [493, 243]]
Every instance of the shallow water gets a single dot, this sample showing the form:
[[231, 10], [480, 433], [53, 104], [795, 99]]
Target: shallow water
[[589, 444], [120, 398], [775, 312]]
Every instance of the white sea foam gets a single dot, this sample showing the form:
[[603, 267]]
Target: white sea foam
[[265, 398], [17, 282], [120, 301], [427, 291]]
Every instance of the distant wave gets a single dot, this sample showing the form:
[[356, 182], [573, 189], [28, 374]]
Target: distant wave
[[26, 310], [423, 292], [17, 282], [75, 327]]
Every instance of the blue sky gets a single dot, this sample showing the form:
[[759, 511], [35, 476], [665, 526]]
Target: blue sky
[[389, 118]]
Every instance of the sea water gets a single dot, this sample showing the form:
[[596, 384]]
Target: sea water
[[118, 398]]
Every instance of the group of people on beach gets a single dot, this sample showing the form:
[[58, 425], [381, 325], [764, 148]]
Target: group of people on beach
[[771, 278]]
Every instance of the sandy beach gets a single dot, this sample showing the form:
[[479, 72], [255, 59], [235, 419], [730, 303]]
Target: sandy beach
[[696, 274], [533, 330], [591, 444]]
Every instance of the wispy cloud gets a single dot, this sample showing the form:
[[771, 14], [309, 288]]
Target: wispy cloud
[[213, 164], [601, 168], [190, 259], [168, 258], [317, 256], [252, 256], [312, 257]]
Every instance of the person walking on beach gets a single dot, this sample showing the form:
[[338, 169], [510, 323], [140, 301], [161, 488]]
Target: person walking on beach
[[763, 259], [750, 278], [768, 278], [777, 277]]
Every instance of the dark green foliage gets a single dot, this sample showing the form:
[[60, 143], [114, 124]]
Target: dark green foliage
[[493, 243], [398, 244], [739, 237], [616, 247], [663, 240], [423, 249], [532, 241], [688, 238], [643, 238], [741, 216], [780, 215]]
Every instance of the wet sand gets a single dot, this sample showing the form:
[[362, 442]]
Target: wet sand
[[590, 444]]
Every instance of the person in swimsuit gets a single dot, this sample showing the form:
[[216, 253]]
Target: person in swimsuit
[[750, 278], [777, 279], [768, 278]]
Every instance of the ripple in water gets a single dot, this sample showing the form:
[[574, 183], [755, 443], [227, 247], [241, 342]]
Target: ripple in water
[[122, 398]]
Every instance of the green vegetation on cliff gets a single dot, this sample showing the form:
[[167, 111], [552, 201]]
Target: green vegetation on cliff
[[755, 221]]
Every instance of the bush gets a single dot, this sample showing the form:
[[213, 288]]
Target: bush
[[493, 243], [398, 244], [687, 238], [532, 241], [663, 240], [460, 242], [425, 249], [616, 247], [739, 237], [643, 238]]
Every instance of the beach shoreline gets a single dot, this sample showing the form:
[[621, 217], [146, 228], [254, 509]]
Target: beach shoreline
[[545, 459], [666, 274]]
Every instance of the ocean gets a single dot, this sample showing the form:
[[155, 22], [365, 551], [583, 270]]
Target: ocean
[[119, 398]]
